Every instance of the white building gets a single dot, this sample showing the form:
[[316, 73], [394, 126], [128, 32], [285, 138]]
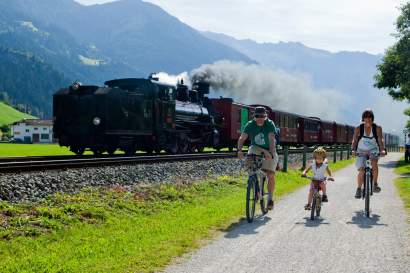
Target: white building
[[33, 131]]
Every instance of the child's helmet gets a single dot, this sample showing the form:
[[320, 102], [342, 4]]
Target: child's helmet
[[320, 151]]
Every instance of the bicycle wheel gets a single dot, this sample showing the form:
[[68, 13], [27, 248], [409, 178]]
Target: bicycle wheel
[[264, 195], [313, 209], [367, 195], [251, 198], [318, 205]]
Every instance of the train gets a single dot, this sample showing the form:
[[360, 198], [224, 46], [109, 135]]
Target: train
[[143, 114]]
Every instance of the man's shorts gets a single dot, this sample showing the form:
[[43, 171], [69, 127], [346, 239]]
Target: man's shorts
[[269, 165], [361, 160]]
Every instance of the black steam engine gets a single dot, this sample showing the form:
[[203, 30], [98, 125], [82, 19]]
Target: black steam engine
[[134, 114]]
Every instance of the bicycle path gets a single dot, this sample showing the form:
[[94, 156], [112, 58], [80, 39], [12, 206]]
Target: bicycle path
[[341, 240]]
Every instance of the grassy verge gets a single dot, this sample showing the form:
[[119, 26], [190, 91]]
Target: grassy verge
[[403, 183], [114, 230], [7, 149]]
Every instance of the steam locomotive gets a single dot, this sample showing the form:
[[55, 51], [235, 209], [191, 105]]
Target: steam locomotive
[[144, 114], [134, 114]]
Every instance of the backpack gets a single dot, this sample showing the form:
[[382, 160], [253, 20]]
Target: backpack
[[277, 136], [361, 134]]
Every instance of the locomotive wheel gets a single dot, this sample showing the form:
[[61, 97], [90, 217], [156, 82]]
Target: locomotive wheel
[[130, 151], [111, 150], [183, 147], [97, 151], [77, 150]]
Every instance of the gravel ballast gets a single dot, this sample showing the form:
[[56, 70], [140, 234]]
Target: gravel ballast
[[33, 186]]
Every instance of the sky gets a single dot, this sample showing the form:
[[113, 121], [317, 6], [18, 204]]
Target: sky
[[334, 25]]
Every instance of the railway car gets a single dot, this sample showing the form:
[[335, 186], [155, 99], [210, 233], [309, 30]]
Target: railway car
[[309, 129], [232, 117], [327, 132], [133, 114]]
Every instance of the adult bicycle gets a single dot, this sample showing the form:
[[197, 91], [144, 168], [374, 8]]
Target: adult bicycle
[[368, 183], [257, 188]]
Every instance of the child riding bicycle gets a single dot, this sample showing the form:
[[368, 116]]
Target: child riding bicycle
[[319, 166]]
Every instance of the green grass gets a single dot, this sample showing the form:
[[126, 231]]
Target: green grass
[[403, 183], [7, 149], [114, 230], [9, 115]]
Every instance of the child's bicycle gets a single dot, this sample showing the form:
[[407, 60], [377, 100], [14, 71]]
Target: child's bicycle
[[317, 196], [257, 189]]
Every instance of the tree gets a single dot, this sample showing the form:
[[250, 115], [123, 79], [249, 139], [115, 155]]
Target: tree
[[393, 73]]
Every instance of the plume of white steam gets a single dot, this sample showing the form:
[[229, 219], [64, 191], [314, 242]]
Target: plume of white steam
[[164, 77], [256, 84]]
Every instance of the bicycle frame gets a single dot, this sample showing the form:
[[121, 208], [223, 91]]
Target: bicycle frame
[[367, 183], [255, 188], [316, 197]]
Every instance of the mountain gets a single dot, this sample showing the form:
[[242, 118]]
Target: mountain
[[133, 33], [67, 41], [28, 80], [349, 72]]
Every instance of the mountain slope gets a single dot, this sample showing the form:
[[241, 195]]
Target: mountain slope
[[9, 114], [137, 34], [28, 80]]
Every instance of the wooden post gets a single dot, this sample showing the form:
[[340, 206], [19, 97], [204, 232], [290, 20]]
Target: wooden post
[[348, 151], [304, 156], [334, 154], [285, 158], [341, 152]]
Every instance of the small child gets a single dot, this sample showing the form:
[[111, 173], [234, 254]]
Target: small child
[[319, 166]]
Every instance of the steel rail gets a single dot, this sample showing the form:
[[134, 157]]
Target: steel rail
[[78, 162]]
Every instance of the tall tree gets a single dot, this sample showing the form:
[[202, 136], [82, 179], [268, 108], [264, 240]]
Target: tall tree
[[393, 73]]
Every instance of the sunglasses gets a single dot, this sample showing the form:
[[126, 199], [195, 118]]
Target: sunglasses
[[260, 116]]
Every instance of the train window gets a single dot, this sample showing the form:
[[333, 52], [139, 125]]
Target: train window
[[286, 121], [239, 116], [282, 121]]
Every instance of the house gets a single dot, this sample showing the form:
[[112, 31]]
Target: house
[[33, 131]]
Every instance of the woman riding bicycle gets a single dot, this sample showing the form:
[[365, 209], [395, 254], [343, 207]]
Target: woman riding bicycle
[[367, 139], [261, 131]]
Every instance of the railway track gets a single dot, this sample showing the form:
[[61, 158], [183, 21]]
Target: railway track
[[35, 163], [26, 164]]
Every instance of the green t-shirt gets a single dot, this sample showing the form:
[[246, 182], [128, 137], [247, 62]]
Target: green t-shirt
[[259, 135]]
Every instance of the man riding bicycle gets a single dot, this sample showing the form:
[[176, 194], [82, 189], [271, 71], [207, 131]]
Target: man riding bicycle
[[261, 131], [367, 139]]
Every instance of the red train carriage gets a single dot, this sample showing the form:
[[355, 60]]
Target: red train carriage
[[327, 132], [350, 132], [234, 116], [309, 130]]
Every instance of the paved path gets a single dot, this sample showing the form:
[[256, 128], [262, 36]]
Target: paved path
[[343, 240]]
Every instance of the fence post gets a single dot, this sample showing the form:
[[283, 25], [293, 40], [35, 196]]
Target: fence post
[[348, 151], [341, 152], [334, 154], [285, 158], [304, 156]]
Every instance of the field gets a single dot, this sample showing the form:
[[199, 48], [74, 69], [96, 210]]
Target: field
[[7, 149]]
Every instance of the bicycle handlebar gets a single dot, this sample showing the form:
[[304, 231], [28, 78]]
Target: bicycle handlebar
[[324, 179]]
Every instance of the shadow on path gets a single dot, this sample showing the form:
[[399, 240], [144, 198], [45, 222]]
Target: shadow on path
[[242, 227], [362, 221], [315, 223]]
